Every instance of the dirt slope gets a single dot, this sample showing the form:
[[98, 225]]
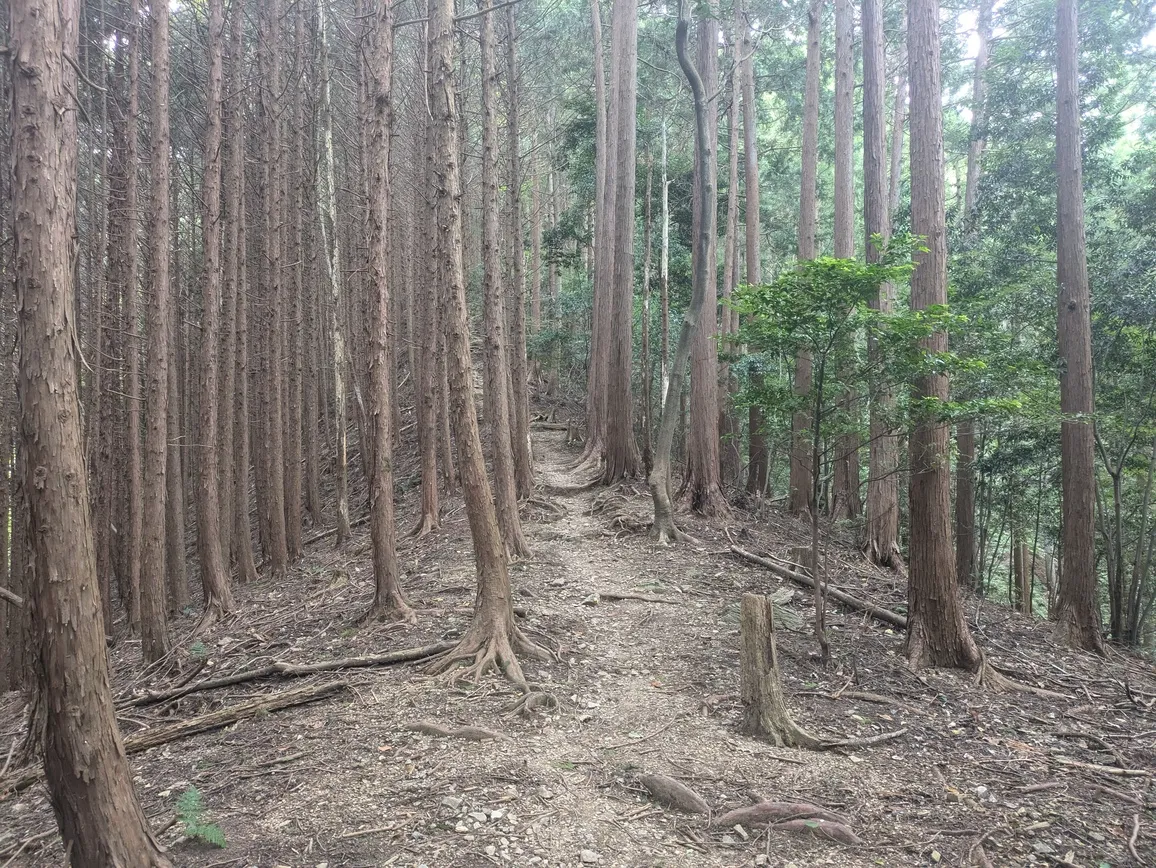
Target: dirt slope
[[642, 687]]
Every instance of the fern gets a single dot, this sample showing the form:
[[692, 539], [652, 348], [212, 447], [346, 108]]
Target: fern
[[190, 813]]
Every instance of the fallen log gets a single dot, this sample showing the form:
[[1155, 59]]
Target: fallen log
[[292, 670], [876, 612], [9, 596], [150, 738], [674, 794]]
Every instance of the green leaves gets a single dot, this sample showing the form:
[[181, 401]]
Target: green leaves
[[190, 813]]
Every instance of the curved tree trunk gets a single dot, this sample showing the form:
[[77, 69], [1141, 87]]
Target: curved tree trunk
[[702, 485], [88, 776], [492, 640]]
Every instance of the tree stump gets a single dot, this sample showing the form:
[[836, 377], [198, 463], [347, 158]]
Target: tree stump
[[765, 713]]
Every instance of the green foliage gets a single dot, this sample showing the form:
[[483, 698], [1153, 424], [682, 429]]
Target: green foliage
[[198, 650], [190, 814]]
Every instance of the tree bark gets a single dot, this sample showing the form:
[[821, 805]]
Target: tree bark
[[845, 501], [800, 493], [965, 503], [882, 531], [898, 112], [1077, 612], [88, 776], [214, 569], [758, 468], [154, 625], [937, 633], [327, 208], [702, 484], [498, 411], [622, 457], [520, 409], [388, 602], [493, 639], [730, 457], [977, 137]]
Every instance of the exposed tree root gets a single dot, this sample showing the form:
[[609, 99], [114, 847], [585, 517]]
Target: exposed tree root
[[470, 733], [988, 676], [674, 794], [396, 612], [483, 648], [666, 533], [536, 700], [427, 523], [765, 812]]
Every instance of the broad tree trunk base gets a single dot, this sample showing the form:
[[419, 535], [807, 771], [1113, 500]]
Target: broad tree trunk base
[[766, 715], [492, 642], [1071, 633], [427, 523], [392, 608]]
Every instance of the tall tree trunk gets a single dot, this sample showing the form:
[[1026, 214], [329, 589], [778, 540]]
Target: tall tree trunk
[[882, 532], [520, 409], [498, 411], [730, 458], [647, 369], [1077, 613], [937, 633], [799, 501], [176, 557], [965, 503], [214, 569], [88, 776], [977, 138], [493, 639], [898, 112], [241, 530], [622, 458], [664, 280], [388, 602], [702, 484], [845, 493], [293, 332], [327, 209], [604, 216], [154, 625], [536, 263], [665, 530], [758, 467], [273, 463]]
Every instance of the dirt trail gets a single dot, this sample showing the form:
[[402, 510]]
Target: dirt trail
[[643, 687]]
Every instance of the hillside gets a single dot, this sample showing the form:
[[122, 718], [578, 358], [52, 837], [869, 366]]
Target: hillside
[[642, 686]]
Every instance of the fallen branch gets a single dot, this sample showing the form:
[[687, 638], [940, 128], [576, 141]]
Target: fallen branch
[[1095, 739], [222, 717], [880, 614], [1107, 770], [13, 598], [549, 426], [614, 596], [293, 670], [1132, 839], [470, 733], [330, 531]]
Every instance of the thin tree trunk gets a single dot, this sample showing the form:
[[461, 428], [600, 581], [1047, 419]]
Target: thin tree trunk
[[845, 495], [327, 210], [730, 458], [176, 557], [647, 369], [1077, 613], [898, 112], [664, 280], [977, 137], [808, 220], [937, 633], [536, 264], [88, 776], [154, 625], [520, 409], [965, 503], [758, 468], [882, 531]]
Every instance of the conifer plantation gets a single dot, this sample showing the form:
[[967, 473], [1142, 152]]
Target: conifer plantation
[[577, 432]]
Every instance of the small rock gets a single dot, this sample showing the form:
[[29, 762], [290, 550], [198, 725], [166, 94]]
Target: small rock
[[545, 793], [452, 802], [935, 856], [741, 832], [497, 815], [761, 859], [1043, 847], [729, 839], [461, 827], [589, 857], [491, 850], [592, 600], [480, 816]]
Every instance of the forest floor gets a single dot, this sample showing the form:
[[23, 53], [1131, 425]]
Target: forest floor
[[642, 687]]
